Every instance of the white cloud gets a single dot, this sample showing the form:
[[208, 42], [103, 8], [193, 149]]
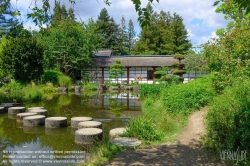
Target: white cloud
[[188, 10]]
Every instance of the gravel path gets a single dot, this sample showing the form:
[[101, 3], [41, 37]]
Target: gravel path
[[185, 151]]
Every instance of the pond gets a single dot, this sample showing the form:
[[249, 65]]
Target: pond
[[21, 145]]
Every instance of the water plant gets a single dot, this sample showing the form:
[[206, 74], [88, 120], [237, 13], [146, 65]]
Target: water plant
[[64, 81]]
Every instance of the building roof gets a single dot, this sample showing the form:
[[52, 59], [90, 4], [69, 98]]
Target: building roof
[[134, 61]]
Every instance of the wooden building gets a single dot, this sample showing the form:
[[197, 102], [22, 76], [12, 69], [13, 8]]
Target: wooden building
[[135, 66]]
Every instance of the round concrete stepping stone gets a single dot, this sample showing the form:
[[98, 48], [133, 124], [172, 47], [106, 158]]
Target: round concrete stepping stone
[[2, 110], [56, 122], [117, 132], [55, 131], [35, 108], [39, 111], [76, 120], [88, 135], [16, 110], [6, 107], [33, 130], [33, 121], [126, 142], [20, 116], [90, 124]]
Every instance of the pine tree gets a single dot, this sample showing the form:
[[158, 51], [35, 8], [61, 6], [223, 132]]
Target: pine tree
[[131, 35], [123, 38], [7, 19], [110, 32], [181, 44]]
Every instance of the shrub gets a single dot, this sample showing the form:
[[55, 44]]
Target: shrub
[[89, 86], [228, 119], [64, 81], [51, 76]]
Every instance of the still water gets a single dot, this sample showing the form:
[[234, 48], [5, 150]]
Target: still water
[[20, 146]]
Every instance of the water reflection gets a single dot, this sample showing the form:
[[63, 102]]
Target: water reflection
[[112, 109]]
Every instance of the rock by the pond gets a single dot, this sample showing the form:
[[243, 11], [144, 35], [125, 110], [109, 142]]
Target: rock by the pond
[[117, 132], [33, 121], [20, 116], [39, 111], [35, 108], [126, 142], [77, 88], [16, 110], [56, 122], [88, 135], [63, 89], [76, 120], [2, 110], [90, 124]]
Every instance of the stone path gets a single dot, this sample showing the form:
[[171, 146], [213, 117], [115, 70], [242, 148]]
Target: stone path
[[186, 151]]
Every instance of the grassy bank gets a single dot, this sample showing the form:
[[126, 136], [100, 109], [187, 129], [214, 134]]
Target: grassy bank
[[228, 121], [165, 112]]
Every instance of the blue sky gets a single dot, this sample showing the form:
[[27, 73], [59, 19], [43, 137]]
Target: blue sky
[[199, 17]]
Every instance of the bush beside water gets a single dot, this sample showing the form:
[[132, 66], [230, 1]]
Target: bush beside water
[[228, 119]]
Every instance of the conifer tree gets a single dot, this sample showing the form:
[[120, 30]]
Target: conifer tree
[[181, 44], [131, 35]]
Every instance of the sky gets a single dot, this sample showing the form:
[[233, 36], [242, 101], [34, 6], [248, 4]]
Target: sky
[[199, 16]]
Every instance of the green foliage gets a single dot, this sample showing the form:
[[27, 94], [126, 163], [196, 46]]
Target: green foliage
[[22, 58], [69, 45], [51, 76], [165, 35], [89, 86], [64, 81], [151, 89], [184, 98], [228, 118], [32, 93], [195, 62], [12, 87], [116, 70], [144, 129]]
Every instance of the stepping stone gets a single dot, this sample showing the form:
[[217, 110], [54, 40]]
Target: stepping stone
[[16, 110], [6, 107], [56, 122], [126, 142], [39, 111], [20, 116], [88, 135], [76, 120], [2, 110], [33, 121], [90, 124], [117, 132], [35, 108]]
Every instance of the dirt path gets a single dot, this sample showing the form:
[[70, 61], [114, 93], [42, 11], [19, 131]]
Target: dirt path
[[185, 151]]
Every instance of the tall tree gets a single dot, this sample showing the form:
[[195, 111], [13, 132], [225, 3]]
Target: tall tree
[[7, 17], [110, 32], [181, 44], [131, 35], [123, 37], [69, 46]]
